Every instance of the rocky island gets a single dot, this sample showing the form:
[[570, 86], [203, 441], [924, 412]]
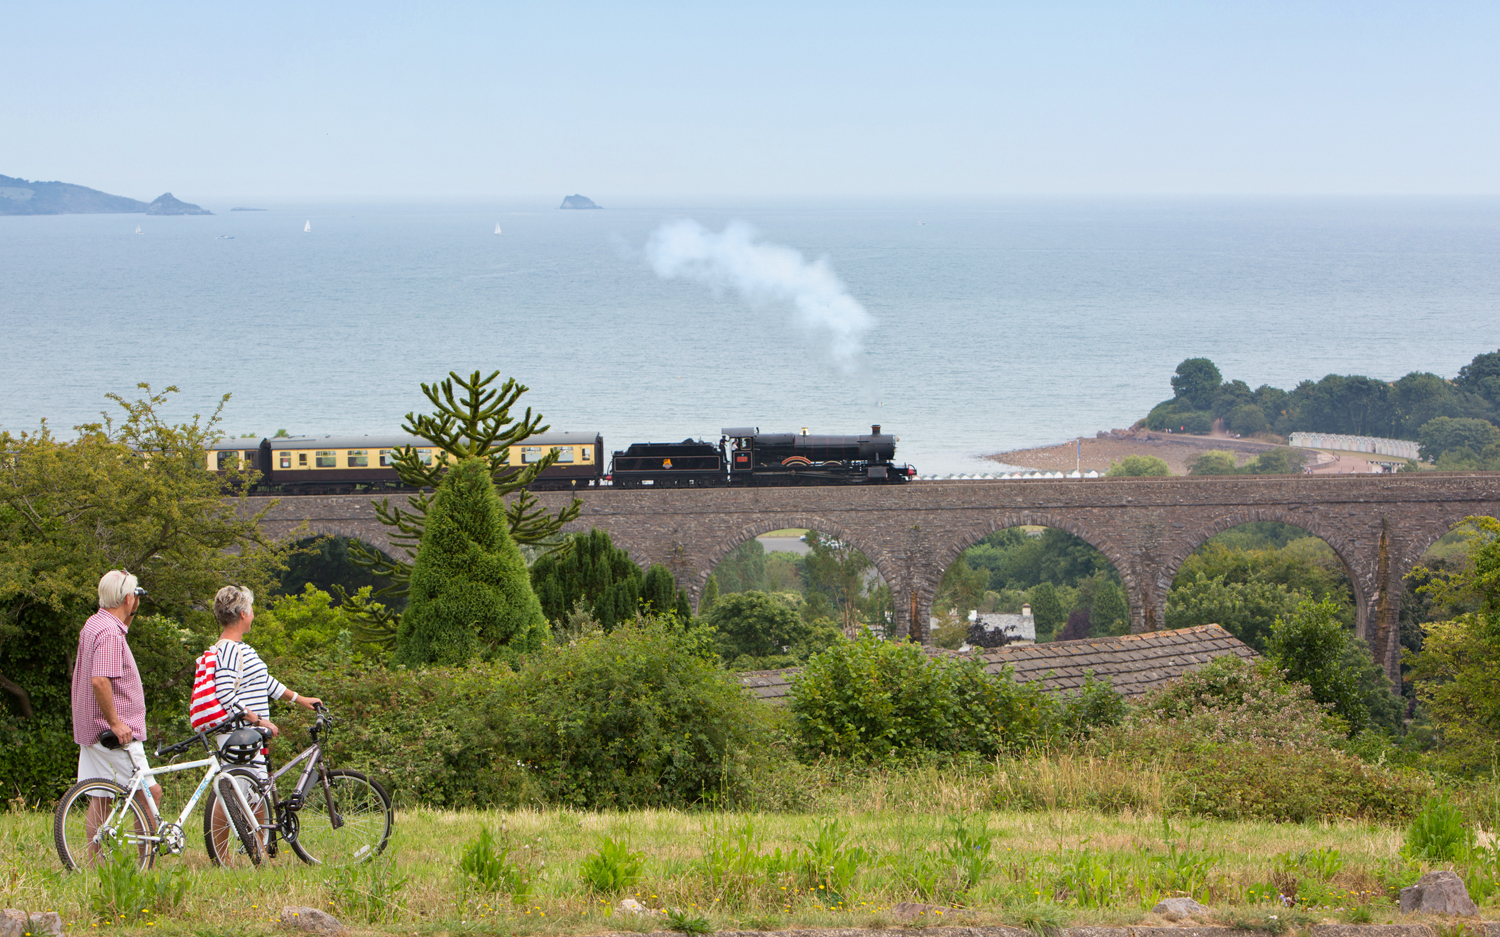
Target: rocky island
[[20, 197], [578, 201], [167, 205]]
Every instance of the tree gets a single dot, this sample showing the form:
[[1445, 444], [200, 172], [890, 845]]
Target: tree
[[1418, 397], [1110, 612], [753, 624], [1482, 378], [1197, 381], [1047, 609], [473, 422], [963, 587], [1078, 626], [744, 569], [1214, 462], [469, 590], [1246, 610], [325, 562], [839, 571], [1247, 419], [710, 596], [1309, 646], [1443, 433], [1279, 461], [1457, 673], [592, 571], [1137, 466], [129, 494]]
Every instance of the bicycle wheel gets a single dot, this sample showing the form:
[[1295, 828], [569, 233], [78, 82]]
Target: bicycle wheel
[[245, 828], [94, 820], [363, 809], [221, 838]]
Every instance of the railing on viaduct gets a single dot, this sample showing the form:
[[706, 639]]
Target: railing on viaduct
[[1379, 525]]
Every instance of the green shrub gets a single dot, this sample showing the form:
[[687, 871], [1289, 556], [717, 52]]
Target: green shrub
[[867, 700], [642, 716], [487, 865], [1309, 646], [1095, 706], [1439, 833], [611, 868], [470, 591]]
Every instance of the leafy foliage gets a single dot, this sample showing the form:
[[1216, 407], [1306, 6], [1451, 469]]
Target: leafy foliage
[[486, 862], [1138, 466], [867, 700], [762, 629], [1457, 673], [639, 717], [1308, 646], [470, 592], [612, 867], [1440, 833], [1246, 610]]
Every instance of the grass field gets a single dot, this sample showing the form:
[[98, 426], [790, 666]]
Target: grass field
[[754, 871]]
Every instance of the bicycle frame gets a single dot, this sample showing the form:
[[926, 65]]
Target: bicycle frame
[[171, 834], [297, 799]]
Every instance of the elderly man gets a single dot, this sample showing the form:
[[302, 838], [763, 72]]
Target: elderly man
[[107, 692]]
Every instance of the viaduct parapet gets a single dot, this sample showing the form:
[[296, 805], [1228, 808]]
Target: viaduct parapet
[[1379, 525]]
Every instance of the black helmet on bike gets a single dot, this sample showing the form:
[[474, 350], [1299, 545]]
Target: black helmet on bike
[[241, 747]]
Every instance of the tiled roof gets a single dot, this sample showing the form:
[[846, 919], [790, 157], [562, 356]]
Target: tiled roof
[[1134, 663]]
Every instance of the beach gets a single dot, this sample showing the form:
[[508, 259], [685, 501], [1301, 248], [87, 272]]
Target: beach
[[1097, 452]]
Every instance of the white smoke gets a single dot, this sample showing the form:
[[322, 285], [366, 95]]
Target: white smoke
[[764, 274]]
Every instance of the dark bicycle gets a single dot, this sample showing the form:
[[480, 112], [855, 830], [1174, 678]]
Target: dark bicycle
[[331, 816]]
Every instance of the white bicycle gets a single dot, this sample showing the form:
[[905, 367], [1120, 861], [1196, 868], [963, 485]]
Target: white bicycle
[[98, 816]]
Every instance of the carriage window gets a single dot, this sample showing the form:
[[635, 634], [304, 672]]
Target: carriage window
[[385, 458], [325, 458], [587, 453], [359, 458], [564, 453], [286, 459], [252, 458], [531, 454], [425, 455], [301, 460], [227, 460]]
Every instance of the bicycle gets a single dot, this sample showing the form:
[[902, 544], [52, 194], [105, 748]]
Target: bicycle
[[83, 827], [350, 820]]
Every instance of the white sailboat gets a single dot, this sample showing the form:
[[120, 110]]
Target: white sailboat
[[497, 227], [137, 229], [307, 227]]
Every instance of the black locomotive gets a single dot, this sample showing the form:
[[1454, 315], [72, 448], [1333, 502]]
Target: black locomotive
[[746, 456], [743, 456]]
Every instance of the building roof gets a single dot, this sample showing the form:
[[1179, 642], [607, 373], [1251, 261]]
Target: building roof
[[1134, 663]]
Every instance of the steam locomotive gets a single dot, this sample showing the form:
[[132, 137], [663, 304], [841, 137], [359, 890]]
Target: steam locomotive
[[744, 456]]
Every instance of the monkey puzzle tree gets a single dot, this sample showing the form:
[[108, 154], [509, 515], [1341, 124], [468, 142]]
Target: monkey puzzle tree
[[469, 594], [472, 421]]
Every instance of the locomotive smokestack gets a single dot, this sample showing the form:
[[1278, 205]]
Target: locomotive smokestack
[[875, 429]]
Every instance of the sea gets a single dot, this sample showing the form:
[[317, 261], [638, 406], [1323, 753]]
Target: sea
[[987, 325]]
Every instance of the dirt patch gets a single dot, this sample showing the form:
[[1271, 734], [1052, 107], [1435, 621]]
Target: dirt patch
[[1099, 452]]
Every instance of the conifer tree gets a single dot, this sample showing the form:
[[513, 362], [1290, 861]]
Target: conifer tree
[[472, 421], [470, 592], [710, 595], [604, 577]]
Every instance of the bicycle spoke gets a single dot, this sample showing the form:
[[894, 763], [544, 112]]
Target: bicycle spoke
[[356, 831]]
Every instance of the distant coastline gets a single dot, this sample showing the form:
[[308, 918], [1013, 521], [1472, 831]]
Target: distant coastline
[[249, 209], [22, 197]]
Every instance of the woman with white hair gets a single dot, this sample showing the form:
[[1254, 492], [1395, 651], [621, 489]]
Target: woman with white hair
[[241, 679]]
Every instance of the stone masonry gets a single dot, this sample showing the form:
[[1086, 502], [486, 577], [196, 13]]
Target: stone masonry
[[1379, 525]]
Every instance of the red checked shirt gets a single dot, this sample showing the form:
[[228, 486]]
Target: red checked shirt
[[102, 652]]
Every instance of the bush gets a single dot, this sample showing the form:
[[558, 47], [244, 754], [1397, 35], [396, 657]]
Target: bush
[[1440, 434], [470, 591], [1309, 646], [868, 700], [1247, 419], [640, 717], [1137, 466], [1214, 462]]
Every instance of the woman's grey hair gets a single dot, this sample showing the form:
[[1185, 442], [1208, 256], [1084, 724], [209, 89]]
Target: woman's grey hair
[[231, 603], [114, 586]]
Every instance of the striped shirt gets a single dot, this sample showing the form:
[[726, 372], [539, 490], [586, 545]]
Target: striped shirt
[[241, 679], [102, 652]]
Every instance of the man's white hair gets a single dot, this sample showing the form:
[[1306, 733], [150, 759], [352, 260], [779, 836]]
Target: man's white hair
[[114, 586]]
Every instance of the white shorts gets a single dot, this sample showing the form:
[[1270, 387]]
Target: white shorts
[[96, 761]]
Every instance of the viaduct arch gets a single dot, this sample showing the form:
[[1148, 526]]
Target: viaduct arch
[[1379, 525]]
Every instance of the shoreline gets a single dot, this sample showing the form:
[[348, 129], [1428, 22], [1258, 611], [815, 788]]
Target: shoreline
[[1097, 452]]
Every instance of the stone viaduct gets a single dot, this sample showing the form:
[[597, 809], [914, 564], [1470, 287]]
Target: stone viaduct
[[1379, 525]]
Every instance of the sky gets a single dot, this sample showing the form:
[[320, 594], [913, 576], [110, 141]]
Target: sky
[[753, 100]]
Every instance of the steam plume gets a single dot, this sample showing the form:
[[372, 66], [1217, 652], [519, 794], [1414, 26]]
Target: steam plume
[[764, 274]]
